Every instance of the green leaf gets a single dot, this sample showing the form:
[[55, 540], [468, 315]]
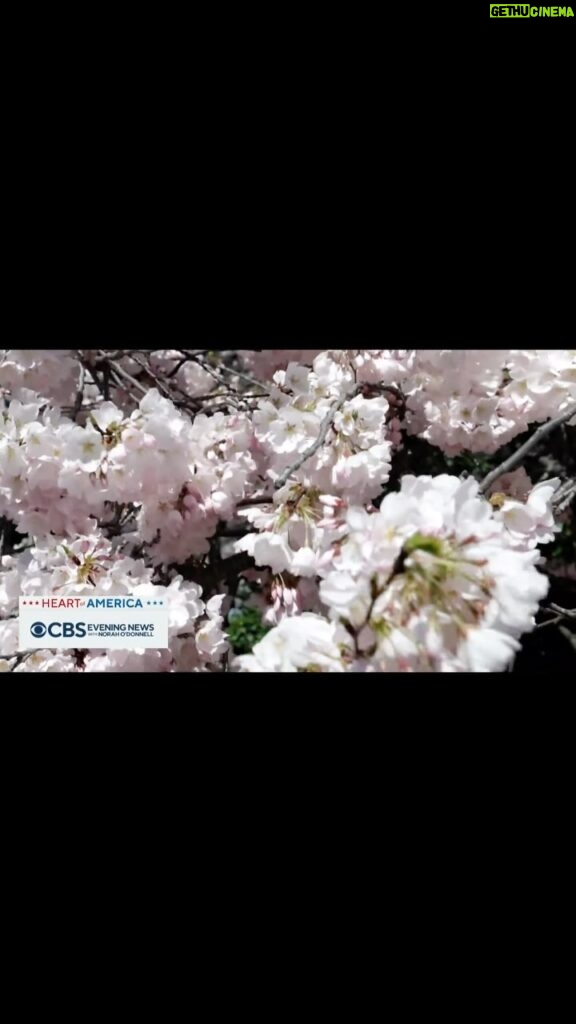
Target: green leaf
[[246, 629]]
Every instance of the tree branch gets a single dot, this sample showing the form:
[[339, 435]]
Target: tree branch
[[515, 459], [324, 428], [564, 495]]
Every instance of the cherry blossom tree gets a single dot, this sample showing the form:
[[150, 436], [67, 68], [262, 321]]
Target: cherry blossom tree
[[301, 511]]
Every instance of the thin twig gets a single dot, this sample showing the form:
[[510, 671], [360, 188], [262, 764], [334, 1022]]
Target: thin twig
[[242, 376], [570, 613], [560, 615], [564, 495], [550, 622], [256, 500], [324, 428], [116, 369], [151, 373], [80, 392], [518, 456], [19, 657], [93, 374]]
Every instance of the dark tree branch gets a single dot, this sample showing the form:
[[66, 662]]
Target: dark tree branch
[[518, 456]]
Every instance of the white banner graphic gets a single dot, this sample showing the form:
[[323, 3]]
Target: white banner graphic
[[113, 622]]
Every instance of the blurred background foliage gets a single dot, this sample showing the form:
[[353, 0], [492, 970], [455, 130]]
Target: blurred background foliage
[[245, 629]]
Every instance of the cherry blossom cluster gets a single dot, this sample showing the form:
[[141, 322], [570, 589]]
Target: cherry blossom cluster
[[53, 374], [474, 400], [92, 564], [437, 580], [481, 400], [127, 472], [181, 475]]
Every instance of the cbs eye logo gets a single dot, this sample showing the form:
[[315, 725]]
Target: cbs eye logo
[[57, 630]]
